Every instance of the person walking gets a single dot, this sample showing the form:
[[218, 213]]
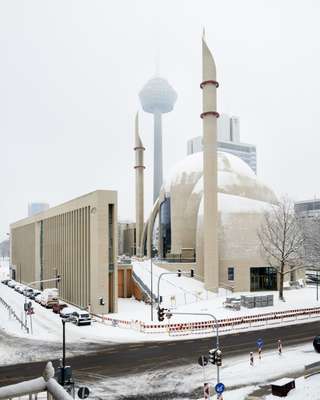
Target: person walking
[[251, 359], [279, 347]]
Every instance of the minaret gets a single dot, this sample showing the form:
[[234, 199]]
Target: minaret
[[209, 117], [139, 167]]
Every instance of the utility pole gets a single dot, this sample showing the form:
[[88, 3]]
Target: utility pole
[[63, 351]]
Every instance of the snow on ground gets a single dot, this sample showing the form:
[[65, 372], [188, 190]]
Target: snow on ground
[[190, 296], [186, 382], [47, 325], [306, 389]]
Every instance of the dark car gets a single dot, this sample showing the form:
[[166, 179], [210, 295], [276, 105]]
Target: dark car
[[27, 292], [34, 294], [56, 308], [5, 281]]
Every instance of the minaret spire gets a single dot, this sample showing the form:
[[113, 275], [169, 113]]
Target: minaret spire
[[139, 180], [209, 117]]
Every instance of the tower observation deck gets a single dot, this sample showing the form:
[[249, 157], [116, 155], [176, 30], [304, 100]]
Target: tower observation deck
[[157, 97]]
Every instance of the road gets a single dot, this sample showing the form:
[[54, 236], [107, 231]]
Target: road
[[124, 359]]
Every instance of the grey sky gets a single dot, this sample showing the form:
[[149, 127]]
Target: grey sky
[[71, 72]]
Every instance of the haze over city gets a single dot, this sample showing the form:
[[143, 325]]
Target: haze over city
[[70, 77]]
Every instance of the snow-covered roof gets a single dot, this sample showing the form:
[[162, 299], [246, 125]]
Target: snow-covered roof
[[234, 177]]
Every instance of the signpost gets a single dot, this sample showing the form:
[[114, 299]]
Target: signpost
[[206, 391], [219, 388], [83, 392], [260, 343]]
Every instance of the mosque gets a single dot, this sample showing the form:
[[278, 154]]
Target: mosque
[[208, 211]]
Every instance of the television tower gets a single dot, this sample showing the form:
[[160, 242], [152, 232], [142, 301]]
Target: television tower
[[157, 97]]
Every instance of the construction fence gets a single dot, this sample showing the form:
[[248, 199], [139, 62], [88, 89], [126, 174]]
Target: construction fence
[[225, 325]]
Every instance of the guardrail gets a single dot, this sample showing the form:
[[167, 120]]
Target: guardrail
[[204, 327], [44, 383], [143, 286], [312, 369], [13, 314]]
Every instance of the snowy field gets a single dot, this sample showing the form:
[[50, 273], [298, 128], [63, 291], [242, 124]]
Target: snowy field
[[237, 375]]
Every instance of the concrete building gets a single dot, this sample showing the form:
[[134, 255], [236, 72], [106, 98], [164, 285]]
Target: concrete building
[[76, 240], [35, 208], [157, 97], [228, 141], [307, 208], [126, 238]]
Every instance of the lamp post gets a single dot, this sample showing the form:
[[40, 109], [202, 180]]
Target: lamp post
[[63, 352]]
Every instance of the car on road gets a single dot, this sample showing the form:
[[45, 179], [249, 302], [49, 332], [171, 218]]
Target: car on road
[[58, 307], [67, 312], [81, 318], [34, 294], [37, 298], [27, 291], [19, 288], [49, 297], [12, 283], [5, 281]]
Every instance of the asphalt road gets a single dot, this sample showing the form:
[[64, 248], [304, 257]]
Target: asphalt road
[[124, 359]]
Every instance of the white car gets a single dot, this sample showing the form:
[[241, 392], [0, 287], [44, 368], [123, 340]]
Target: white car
[[81, 318], [67, 312], [37, 299], [12, 283]]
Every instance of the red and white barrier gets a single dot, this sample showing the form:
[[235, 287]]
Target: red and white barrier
[[227, 324]]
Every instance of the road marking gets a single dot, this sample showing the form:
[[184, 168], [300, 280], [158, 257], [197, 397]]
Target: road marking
[[153, 347]]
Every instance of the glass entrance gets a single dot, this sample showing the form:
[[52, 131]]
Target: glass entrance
[[263, 279]]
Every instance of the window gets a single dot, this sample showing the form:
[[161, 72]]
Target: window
[[231, 274]]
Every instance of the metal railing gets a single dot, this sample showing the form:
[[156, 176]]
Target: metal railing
[[143, 286], [13, 314], [45, 383]]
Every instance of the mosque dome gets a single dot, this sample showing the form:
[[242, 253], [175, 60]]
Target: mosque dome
[[235, 177], [242, 201]]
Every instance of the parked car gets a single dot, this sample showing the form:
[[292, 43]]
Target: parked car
[[27, 291], [49, 298], [12, 283], [34, 294], [67, 312], [5, 281], [81, 318], [58, 307], [37, 298], [20, 289]]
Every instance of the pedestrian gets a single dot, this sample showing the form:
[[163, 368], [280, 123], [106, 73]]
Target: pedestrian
[[260, 352], [251, 359], [279, 347]]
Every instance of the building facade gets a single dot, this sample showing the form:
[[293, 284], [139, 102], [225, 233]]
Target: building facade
[[228, 141], [76, 240]]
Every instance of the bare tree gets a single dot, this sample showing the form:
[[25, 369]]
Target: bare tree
[[311, 231], [282, 240]]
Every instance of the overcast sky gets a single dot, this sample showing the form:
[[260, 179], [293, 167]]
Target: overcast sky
[[70, 73]]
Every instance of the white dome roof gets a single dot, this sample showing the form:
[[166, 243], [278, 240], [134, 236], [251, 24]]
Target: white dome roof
[[234, 177]]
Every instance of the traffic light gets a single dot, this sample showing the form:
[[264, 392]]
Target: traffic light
[[160, 314], [212, 356], [192, 273], [58, 278], [179, 272], [218, 358], [101, 301]]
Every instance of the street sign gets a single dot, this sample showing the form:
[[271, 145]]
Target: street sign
[[202, 361], [260, 342], [206, 391], [83, 392], [219, 388], [30, 311]]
